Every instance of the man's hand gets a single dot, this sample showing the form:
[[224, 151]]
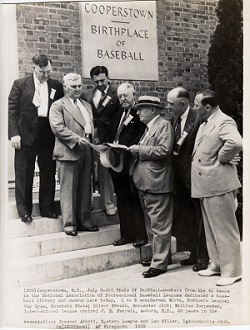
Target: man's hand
[[96, 140], [235, 160], [134, 149], [82, 141], [16, 142]]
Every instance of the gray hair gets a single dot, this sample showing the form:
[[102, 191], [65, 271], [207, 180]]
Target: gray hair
[[71, 77]]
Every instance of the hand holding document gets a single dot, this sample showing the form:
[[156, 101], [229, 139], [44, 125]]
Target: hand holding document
[[105, 146]]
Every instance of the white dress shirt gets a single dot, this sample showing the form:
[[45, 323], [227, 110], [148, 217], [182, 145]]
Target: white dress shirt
[[97, 96], [184, 119], [44, 97]]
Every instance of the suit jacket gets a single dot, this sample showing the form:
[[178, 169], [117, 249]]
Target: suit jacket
[[129, 135], [67, 124], [103, 118], [182, 161], [152, 170], [214, 147], [22, 112]]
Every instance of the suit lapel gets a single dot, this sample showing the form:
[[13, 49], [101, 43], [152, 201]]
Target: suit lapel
[[152, 129], [30, 87], [190, 121], [204, 131], [73, 111]]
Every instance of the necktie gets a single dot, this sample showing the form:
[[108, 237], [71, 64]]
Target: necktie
[[83, 119], [177, 129], [101, 100], [125, 114], [177, 135], [37, 97]]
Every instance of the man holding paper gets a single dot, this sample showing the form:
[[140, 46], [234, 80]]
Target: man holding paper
[[153, 176], [72, 123], [127, 130]]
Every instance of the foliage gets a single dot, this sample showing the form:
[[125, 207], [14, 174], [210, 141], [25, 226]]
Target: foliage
[[225, 59]]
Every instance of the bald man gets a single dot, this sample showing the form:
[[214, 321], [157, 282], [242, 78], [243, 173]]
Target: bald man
[[187, 211], [72, 123]]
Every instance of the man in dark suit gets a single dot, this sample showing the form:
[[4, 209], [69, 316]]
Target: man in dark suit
[[127, 129], [72, 123], [187, 211], [153, 176], [104, 101], [30, 134]]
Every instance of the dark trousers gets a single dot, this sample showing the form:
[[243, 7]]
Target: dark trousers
[[188, 225], [24, 170], [132, 223]]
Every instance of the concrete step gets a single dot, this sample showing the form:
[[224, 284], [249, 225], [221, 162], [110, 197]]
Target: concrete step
[[42, 226], [12, 211], [40, 245], [54, 267]]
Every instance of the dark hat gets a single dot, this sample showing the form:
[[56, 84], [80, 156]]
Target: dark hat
[[148, 101]]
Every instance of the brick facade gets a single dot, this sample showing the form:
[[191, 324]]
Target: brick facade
[[184, 30]]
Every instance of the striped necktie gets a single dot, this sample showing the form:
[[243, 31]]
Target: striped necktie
[[120, 128]]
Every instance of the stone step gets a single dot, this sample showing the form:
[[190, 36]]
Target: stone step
[[40, 245], [54, 267], [12, 211], [42, 226]]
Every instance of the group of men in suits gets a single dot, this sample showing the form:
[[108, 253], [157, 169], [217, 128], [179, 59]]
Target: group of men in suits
[[57, 122]]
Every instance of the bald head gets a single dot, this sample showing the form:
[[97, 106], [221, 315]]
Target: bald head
[[178, 101]]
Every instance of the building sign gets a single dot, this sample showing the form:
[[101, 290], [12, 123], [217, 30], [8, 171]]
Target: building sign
[[121, 36]]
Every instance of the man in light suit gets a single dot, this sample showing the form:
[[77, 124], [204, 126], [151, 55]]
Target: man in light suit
[[72, 123], [153, 176], [30, 134], [104, 101], [187, 224], [215, 182]]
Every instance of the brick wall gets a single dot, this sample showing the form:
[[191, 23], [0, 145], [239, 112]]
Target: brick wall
[[184, 30]]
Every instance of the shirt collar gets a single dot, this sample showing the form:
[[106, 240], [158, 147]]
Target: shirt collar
[[210, 117], [150, 124], [185, 114], [37, 82]]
